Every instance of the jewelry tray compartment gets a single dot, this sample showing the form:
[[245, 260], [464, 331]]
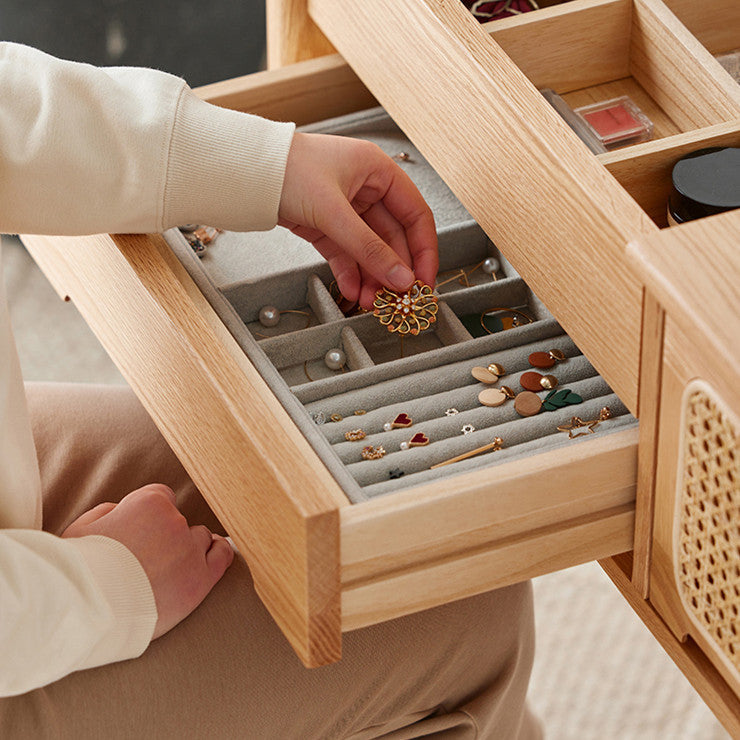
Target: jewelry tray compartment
[[427, 377]]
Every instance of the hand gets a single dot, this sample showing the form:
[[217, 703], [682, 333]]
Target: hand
[[361, 212], [182, 563]]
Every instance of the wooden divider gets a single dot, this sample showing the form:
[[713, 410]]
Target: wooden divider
[[644, 171], [545, 44], [715, 23], [686, 81]]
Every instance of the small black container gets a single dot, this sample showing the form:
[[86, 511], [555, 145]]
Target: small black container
[[705, 182]]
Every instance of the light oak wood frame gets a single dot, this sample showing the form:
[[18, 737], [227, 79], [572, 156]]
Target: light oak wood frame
[[320, 565]]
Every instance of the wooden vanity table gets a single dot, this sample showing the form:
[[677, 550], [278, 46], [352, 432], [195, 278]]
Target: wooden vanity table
[[654, 310]]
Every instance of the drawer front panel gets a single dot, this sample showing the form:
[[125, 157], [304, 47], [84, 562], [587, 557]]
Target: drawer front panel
[[433, 544]]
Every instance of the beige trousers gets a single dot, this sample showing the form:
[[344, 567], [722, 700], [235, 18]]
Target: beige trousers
[[457, 671]]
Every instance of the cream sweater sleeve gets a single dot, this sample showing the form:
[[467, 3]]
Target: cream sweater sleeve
[[88, 150], [68, 604]]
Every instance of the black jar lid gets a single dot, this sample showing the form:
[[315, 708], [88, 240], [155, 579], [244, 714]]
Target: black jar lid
[[705, 182]]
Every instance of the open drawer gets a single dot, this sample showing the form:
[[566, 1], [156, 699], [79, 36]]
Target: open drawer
[[321, 563]]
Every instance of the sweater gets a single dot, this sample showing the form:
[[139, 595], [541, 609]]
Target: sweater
[[87, 150]]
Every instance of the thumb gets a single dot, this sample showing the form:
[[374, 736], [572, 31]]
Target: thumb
[[84, 520], [354, 237]]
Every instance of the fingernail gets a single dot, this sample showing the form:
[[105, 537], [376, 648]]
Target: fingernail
[[399, 277]]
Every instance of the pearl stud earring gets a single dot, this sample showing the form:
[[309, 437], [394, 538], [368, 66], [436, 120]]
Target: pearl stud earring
[[269, 316], [335, 359]]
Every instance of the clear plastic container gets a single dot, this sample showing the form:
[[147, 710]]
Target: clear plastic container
[[617, 122]]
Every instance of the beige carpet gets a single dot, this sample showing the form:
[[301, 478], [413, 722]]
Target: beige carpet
[[599, 675]]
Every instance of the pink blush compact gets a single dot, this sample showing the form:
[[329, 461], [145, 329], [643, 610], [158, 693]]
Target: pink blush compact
[[617, 122]]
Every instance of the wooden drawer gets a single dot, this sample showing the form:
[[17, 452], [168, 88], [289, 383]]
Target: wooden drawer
[[321, 565]]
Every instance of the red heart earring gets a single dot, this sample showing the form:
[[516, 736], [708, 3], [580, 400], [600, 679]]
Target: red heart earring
[[418, 440], [402, 421]]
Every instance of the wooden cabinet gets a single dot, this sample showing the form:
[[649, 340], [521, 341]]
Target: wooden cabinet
[[692, 497], [467, 97]]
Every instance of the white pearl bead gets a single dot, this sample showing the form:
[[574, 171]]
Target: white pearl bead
[[387, 426], [335, 359], [404, 445], [490, 265], [269, 316]]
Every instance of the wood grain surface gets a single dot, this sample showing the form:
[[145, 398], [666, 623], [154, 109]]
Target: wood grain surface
[[304, 92], [715, 23], [686, 81], [291, 34]]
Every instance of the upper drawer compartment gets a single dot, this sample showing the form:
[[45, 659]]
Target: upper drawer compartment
[[467, 95]]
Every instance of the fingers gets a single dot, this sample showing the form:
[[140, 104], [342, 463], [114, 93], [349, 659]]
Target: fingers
[[361, 211], [202, 536], [345, 270], [96, 513], [219, 557], [218, 552], [370, 286], [359, 241], [163, 490], [159, 489], [405, 204], [387, 227]]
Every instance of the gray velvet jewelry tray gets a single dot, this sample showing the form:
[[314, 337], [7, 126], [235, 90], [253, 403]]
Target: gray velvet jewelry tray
[[424, 377]]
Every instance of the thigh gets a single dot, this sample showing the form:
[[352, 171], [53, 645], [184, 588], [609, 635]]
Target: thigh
[[457, 671], [96, 443]]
